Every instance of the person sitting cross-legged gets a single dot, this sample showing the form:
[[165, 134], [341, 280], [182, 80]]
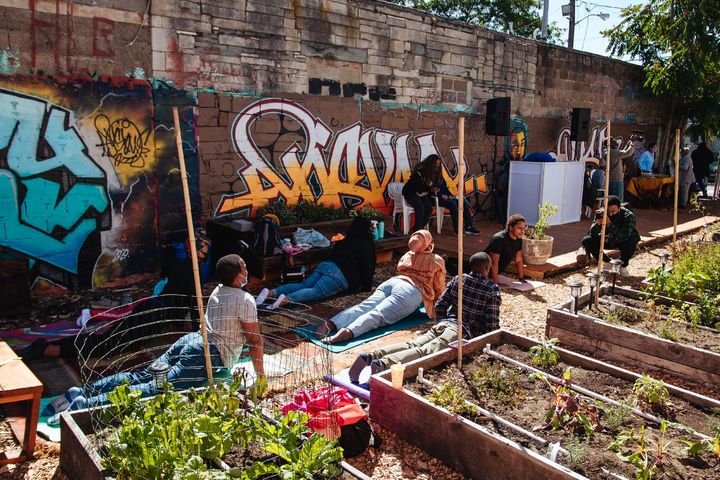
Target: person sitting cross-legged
[[481, 313], [420, 280], [231, 319], [620, 233]]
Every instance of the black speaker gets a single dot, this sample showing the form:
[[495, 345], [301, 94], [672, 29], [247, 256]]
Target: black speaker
[[580, 125], [497, 120]]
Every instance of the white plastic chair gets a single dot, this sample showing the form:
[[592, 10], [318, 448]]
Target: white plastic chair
[[402, 207]]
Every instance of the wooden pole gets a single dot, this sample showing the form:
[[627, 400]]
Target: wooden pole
[[193, 249], [461, 230], [605, 214], [677, 188]]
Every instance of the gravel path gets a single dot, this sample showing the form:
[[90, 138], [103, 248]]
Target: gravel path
[[520, 312]]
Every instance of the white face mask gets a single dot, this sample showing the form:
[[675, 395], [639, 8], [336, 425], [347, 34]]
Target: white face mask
[[244, 282]]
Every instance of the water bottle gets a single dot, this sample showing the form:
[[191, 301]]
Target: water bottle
[[374, 229]]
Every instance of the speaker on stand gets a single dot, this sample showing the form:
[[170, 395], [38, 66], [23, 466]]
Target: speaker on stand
[[579, 127], [497, 123]]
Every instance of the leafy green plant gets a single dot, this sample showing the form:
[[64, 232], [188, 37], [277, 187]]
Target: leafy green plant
[[569, 410], [668, 331], [616, 416], [650, 391], [452, 398], [176, 435], [544, 353], [577, 454], [369, 212], [537, 231], [622, 315], [644, 454], [499, 382], [302, 212]]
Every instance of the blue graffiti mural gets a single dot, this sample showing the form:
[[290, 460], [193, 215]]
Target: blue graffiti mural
[[52, 193]]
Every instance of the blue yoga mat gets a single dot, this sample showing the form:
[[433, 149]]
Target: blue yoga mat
[[418, 317]]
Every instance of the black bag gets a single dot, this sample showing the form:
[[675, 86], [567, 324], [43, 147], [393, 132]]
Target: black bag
[[266, 239], [355, 438]]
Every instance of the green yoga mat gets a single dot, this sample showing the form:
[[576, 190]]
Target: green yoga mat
[[43, 429], [418, 317]]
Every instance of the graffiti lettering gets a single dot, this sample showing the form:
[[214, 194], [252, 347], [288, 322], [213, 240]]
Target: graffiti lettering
[[52, 193], [122, 141], [583, 150], [340, 171]]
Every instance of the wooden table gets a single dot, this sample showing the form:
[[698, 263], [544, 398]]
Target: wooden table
[[18, 384]]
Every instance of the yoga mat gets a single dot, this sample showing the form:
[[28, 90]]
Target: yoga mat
[[526, 286], [416, 318], [360, 389]]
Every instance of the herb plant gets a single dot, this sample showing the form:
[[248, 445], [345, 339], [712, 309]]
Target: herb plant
[[577, 454], [616, 415], [452, 398], [544, 353], [645, 454], [650, 391], [369, 212], [568, 410], [537, 231], [501, 383]]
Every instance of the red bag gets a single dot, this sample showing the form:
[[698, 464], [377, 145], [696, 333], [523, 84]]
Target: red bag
[[330, 408]]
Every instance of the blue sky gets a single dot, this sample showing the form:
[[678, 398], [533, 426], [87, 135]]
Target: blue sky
[[587, 31]]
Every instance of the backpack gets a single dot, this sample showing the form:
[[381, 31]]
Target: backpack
[[357, 437], [266, 239]]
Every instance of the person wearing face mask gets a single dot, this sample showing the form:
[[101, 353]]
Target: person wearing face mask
[[620, 233], [420, 280], [231, 320]]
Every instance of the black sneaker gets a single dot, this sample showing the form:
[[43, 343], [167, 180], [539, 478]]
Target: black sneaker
[[471, 231]]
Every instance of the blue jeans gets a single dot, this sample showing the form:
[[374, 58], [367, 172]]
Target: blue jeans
[[187, 369], [393, 300], [617, 189], [325, 281], [452, 205]]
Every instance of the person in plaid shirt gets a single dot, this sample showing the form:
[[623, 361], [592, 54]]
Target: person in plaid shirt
[[620, 233], [481, 314]]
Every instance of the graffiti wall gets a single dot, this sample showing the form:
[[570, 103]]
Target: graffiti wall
[[77, 182], [284, 149]]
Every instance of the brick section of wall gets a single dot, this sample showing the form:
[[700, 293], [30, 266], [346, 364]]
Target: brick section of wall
[[106, 38]]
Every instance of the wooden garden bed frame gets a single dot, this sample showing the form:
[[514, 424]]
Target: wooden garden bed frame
[[464, 445], [620, 343]]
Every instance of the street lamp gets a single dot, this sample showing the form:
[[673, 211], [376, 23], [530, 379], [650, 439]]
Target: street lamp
[[569, 11], [604, 17]]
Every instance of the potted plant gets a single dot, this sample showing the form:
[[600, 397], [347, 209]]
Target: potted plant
[[536, 246]]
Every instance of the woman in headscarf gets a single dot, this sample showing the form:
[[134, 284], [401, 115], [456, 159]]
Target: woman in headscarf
[[350, 268], [425, 180], [419, 281]]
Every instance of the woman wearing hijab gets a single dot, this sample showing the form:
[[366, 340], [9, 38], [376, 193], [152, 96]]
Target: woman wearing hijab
[[420, 281], [350, 268]]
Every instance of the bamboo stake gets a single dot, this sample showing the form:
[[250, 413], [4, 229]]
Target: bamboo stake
[[193, 249], [605, 214], [461, 230], [677, 188]]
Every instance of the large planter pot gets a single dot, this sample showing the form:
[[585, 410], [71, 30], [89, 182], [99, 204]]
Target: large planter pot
[[536, 252]]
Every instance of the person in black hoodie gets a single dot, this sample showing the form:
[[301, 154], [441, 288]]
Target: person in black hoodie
[[424, 181], [702, 157], [350, 268]]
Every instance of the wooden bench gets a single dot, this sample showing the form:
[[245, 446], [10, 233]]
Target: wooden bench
[[18, 384]]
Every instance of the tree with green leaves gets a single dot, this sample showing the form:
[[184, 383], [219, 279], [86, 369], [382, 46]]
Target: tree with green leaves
[[525, 16], [678, 44]]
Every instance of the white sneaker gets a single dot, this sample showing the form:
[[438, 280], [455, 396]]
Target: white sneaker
[[262, 296], [624, 272], [277, 302]]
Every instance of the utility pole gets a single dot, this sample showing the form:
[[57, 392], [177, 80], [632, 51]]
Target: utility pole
[[571, 29], [543, 32]]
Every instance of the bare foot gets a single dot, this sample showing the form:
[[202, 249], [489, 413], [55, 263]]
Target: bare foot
[[342, 335], [324, 329]]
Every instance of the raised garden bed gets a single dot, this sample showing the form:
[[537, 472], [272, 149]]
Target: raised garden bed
[[194, 434], [634, 334], [482, 448]]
